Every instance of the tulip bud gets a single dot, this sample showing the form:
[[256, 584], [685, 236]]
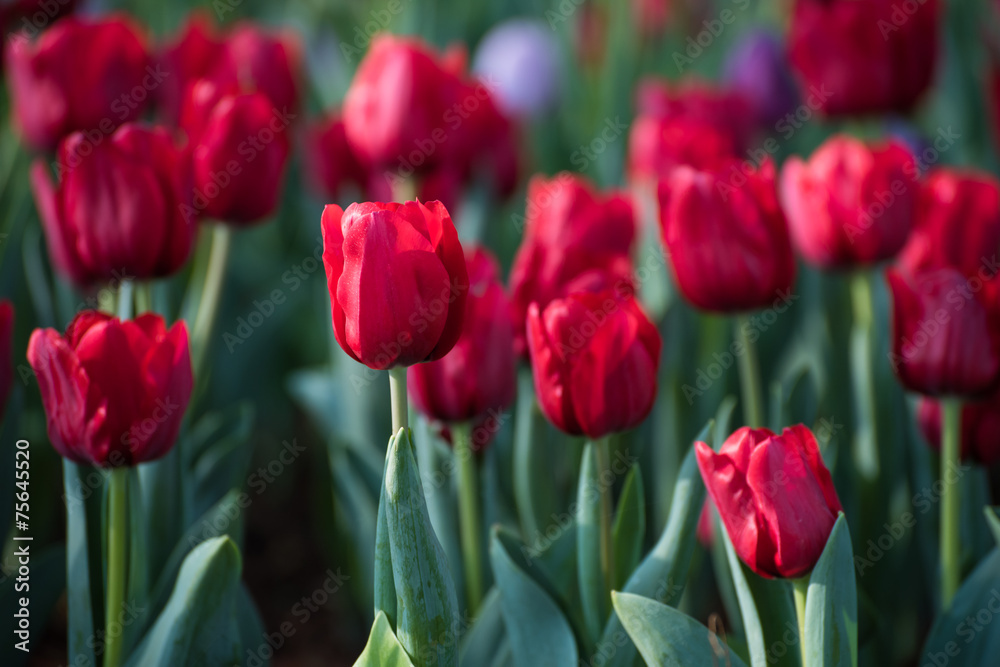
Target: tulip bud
[[188, 57], [850, 204], [117, 211], [570, 229], [946, 332], [479, 374], [775, 497], [331, 164], [980, 428], [80, 75], [6, 352], [239, 159], [398, 281], [114, 392], [958, 224], [859, 56], [595, 357], [726, 237]]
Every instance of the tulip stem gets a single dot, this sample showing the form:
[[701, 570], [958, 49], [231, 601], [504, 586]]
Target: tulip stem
[[468, 509], [209, 303], [124, 306], [863, 376], [800, 587], [397, 398], [117, 567], [951, 428], [143, 298], [750, 385], [602, 450]]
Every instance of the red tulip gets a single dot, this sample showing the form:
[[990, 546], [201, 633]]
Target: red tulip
[[479, 374], [726, 237], [6, 352], [958, 224], [657, 145], [81, 75], [694, 100], [118, 210], [980, 427], [850, 204], [946, 332], [114, 392], [570, 229], [871, 55], [331, 164], [595, 358], [239, 159], [190, 56], [775, 497], [397, 279]]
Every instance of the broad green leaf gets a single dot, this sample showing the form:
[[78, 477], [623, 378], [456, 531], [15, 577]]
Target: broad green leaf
[[832, 603], [383, 649], [630, 527], [588, 544], [82, 559], [163, 507], [483, 639], [253, 635], [426, 603], [538, 633], [993, 519], [668, 637], [385, 587], [533, 492], [218, 457], [198, 626]]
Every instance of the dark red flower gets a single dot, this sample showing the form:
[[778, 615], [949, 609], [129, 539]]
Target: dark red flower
[[114, 392], [694, 100], [119, 209], [726, 236], [850, 204], [397, 279], [595, 357], [6, 352], [479, 374], [980, 427], [188, 57], [775, 497], [331, 165], [80, 75]]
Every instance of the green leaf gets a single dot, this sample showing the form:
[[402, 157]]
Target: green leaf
[[993, 519], [588, 544], [383, 649], [832, 603], [253, 635], [163, 507], [538, 632], [198, 627], [218, 457], [630, 527], [426, 603], [385, 587], [662, 574], [666, 637], [483, 639], [533, 491], [138, 557], [82, 559]]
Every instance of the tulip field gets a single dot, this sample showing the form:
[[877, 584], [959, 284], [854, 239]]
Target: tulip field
[[540, 333]]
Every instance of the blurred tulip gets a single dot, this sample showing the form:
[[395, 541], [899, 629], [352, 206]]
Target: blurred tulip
[[239, 159], [705, 530], [595, 357], [980, 428], [726, 237], [520, 58], [871, 55], [118, 210], [114, 392], [850, 204], [331, 165], [25, 19], [946, 332], [6, 352], [652, 17], [570, 229], [775, 497], [758, 69], [398, 281], [190, 56], [958, 224], [80, 75], [725, 109], [657, 145], [479, 374]]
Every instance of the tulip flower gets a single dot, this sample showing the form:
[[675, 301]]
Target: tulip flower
[[758, 69], [850, 204], [570, 229], [398, 281], [521, 57], [117, 211], [6, 353], [865, 57], [726, 237], [478, 374], [958, 224], [595, 358], [190, 56], [331, 164], [657, 145], [946, 332], [726, 109], [980, 427], [80, 75], [239, 159], [775, 497], [114, 391]]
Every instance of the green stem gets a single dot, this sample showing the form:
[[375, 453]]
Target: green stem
[[124, 306], [863, 375], [397, 398], [117, 566], [469, 516], [750, 385], [951, 432], [209, 303], [602, 450], [800, 587], [143, 298]]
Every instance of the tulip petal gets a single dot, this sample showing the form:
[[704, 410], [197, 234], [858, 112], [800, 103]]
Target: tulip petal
[[64, 386]]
